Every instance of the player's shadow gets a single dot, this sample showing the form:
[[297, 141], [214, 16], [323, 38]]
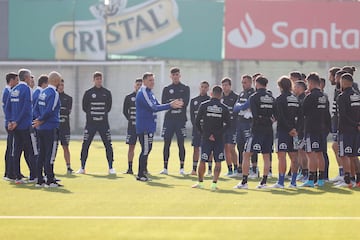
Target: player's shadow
[[33, 188], [226, 179], [155, 177], [159, 184], [356, 189], [186, 176], [333, 189], [58, 190], [66, 175], [293, 192], [310, 191], [230, 191], [108, 176]]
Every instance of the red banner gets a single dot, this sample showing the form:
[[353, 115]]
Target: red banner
[[292, 30]]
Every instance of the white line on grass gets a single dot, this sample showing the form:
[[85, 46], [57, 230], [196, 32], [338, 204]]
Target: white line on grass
[[174, 218]]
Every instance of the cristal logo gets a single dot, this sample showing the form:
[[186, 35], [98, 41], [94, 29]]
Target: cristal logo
[[248, 36]]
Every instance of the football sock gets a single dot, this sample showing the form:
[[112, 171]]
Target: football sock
[[195, 163], [341, 171], [312, 176], [357, 177], [210, 165], [281, 179], [305, 172], [293, 179], [245, 179], [263, 180], [347, 177]]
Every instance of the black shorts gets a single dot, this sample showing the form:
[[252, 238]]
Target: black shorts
[[196, 138], [260, 143], [334, 128], [172, 127], [214, 147], [349, 144], [284, 142], [64, 136], [230, 136], [131, 136], [243, 132], [314, 142]]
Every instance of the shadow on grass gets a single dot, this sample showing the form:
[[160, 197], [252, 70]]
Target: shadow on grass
[[154, 177], [193, 177], [187, 176], [222, 191], [66, 175], [158, 184], [311, 191], [57, 190], [32, 187], [333, 189], [356, 189], [291, 192], [108, 176], [230, 191], [225, 179]]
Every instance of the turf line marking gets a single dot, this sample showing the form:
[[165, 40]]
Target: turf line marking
[[173, 218]]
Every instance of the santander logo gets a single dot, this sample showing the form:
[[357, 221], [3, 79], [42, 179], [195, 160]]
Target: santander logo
[[247, 36], [268, 30]]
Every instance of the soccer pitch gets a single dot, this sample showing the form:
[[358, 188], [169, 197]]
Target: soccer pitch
[[99, 206]]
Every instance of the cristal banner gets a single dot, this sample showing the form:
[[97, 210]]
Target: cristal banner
[[90, 30], [121, 32]]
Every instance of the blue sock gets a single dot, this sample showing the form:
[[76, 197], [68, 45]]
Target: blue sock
[[293, 179], [281, 179], [341, 171], [83, 164]]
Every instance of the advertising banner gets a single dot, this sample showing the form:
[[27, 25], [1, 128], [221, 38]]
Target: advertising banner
[[91, 30], [292, 30]]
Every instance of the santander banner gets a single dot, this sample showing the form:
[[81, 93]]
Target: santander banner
[[292, 30]]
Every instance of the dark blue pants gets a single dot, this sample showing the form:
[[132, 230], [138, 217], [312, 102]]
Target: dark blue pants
[[146, 141], [326, 157], [24, 143], [171, 127], [48, 143], [89, 133], [9, 164]]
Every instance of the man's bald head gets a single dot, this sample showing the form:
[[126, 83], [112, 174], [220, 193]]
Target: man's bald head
[[54, 78]]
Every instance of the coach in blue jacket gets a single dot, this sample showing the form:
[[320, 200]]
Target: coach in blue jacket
[[19, 115], [47, 113], [11, 81], [146, 108]]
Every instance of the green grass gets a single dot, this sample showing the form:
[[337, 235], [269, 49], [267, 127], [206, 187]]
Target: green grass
[[98, 194]]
